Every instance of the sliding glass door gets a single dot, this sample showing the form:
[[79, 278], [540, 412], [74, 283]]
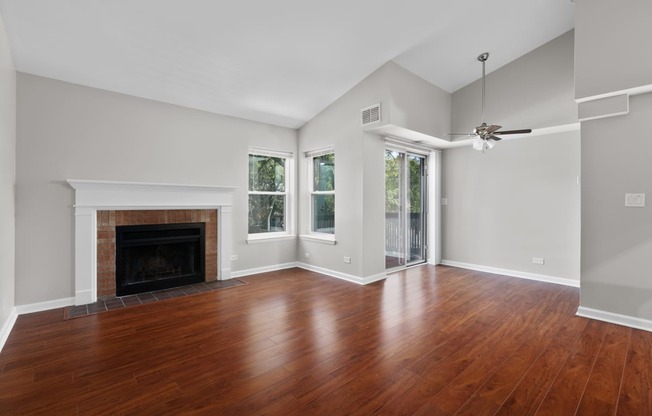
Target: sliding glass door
[[405, 208]]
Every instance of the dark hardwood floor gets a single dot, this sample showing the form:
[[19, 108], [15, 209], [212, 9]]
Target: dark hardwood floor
[[426, 341]]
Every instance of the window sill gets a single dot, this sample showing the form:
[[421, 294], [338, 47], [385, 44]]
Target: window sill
[[325, 239], [270, 239]]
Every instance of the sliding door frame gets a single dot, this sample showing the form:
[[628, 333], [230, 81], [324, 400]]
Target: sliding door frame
[[404, 214]]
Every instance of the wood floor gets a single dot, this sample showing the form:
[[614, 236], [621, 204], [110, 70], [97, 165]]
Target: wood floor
[[427, 341]]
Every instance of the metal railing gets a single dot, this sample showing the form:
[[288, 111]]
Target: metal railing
[[393, 233]]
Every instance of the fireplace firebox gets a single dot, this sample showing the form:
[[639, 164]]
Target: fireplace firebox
[[160, 256]]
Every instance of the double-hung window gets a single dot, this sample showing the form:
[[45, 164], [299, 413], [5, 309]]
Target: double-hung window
[[269, 194], [322, 192]]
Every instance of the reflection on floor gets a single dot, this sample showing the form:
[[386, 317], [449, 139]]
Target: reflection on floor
[[104, 305]]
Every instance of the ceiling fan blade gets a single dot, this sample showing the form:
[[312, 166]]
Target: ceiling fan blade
[[522, 131], [458, 134], [492, 128], [494, 138]]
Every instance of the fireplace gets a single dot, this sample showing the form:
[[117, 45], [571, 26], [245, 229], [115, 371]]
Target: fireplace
[[100, 206], [158, 256]]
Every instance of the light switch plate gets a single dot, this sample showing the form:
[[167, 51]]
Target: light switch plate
[[635, 200]]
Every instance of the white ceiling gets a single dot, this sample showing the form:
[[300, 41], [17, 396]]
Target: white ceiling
[[279, 62]]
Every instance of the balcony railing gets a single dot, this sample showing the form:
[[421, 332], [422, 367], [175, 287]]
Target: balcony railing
[[393, 233]]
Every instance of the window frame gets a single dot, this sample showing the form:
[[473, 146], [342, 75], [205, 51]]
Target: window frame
[[311, 234], [288, 213]]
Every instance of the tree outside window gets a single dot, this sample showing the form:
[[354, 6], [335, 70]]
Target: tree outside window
[[323, 194], [267, 194]]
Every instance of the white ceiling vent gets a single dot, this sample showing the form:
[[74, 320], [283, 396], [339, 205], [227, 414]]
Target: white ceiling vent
[[370, 114]]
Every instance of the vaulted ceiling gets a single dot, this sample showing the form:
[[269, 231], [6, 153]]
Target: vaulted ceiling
[[279, 62]]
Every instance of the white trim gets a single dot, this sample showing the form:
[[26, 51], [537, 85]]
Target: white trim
[[264, 269], [643, 89], [320, 152], [398, 144], [266, 238], [289, 213], [434, 207], [7, 326], [93, 185], [91, 196], [514, 273], [322, 238], [310, 157], [615, 318], [402, 134], [619, 113], [270, 153], [343, 276], [44, 306]]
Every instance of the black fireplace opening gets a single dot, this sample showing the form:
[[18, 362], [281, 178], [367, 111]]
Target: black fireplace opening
[[160, 256]]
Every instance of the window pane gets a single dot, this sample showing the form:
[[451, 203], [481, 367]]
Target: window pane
[[323, 213], [266, 174], [324, 172], [266, 213]]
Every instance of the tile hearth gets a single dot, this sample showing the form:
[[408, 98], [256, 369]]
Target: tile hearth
[[108, 304]]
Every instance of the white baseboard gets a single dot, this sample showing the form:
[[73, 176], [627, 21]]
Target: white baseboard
[[343, 276], [257, 270], [44, 306], [82, 297], [615, 318], [7, 326], [514, 273]]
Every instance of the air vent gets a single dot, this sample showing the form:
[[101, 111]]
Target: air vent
[[370, 114]]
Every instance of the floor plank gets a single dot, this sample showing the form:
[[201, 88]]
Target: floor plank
[[428, 340]]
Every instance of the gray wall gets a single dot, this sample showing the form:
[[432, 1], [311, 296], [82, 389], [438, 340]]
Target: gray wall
[[521, 199], [517, 201], [616, 241], [535, 90], [68, 131], [7, 176], [612, 45], [407, 101]]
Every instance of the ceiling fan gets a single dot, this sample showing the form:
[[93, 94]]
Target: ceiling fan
[[485, 136]]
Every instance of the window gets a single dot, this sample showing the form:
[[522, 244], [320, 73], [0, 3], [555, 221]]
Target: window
[[322, 192], [269, 194]]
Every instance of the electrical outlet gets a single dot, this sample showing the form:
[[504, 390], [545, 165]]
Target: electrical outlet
[[537, 260], [306, 256], [444, 201], [234, 257], [347, 260]]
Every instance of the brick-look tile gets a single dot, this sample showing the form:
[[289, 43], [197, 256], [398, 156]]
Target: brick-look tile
[[161, 295], [131, 300], [108, 220], [96, 307], [115, 303], [112, 218]]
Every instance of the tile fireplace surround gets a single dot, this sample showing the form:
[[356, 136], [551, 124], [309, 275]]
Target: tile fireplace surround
[[93, 198], [107, 221]]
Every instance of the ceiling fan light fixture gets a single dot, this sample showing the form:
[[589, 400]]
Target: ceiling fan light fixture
[[478, 143], [485, 134]]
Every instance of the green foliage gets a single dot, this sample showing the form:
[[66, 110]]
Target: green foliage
[[324, 172], [394, 175], [266, 211], [323, 206]]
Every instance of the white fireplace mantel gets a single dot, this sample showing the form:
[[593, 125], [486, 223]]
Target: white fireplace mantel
[[91, 196]]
